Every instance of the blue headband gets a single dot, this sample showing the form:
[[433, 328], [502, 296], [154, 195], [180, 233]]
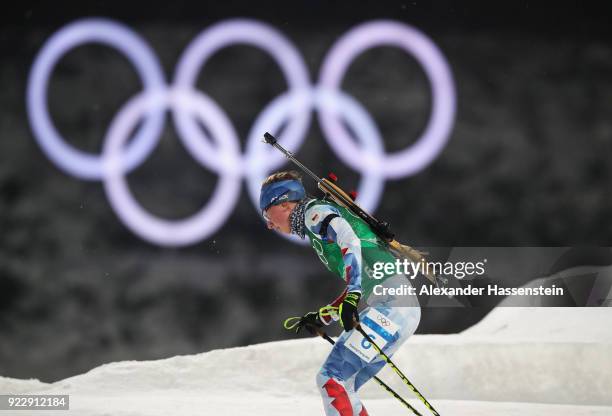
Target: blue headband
[[277, 192]]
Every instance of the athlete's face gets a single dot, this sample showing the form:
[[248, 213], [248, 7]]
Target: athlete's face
[[277, 217]]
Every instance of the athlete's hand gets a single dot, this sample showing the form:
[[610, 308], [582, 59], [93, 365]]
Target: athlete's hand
[[311, 321], [348, 310]]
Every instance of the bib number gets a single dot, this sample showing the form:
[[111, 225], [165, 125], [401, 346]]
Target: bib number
[[379, 328]]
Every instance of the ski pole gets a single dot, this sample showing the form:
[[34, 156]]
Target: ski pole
[[397, 370]]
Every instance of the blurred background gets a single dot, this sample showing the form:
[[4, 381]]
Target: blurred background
[[525, 163]]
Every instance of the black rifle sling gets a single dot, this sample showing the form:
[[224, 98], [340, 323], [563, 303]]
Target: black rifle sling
[[325, 225]]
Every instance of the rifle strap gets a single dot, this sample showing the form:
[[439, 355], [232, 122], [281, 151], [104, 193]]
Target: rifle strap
[[325, 225]]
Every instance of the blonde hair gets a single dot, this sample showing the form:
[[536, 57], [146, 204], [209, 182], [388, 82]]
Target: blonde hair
[[282, 176]]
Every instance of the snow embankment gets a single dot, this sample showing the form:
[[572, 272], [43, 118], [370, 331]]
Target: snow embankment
[[559, 356]]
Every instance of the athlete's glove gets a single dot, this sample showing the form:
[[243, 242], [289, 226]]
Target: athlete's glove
[[348, 310], [311, 322]]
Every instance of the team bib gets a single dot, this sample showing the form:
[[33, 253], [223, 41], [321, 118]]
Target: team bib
[[379, 327]]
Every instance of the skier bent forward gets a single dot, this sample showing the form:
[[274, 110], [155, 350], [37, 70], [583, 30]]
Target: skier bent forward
[[348, 248]]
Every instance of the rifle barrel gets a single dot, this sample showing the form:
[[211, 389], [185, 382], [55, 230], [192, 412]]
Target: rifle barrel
[[268, 138]]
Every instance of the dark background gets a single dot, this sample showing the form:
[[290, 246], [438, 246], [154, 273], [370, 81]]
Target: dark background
[[527, 165]]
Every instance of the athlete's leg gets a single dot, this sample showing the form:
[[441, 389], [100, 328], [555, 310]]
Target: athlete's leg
[[339, 395], [334, 378], [343, 373], [358, 407]]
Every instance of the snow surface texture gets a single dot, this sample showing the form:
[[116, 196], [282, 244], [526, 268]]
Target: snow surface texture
[[517, 361]]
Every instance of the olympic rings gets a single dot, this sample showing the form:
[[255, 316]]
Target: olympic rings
[[383, 321], [221, 151]]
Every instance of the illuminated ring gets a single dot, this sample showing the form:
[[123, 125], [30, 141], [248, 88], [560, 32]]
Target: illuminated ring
[[436, 134], [222, 153], [75, 162], [160, 231], [225, 34], [272, 117]]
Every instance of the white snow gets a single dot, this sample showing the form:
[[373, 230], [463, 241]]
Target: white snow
[[517, 361]]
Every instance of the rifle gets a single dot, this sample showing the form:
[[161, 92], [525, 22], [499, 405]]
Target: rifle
[[337, 195]]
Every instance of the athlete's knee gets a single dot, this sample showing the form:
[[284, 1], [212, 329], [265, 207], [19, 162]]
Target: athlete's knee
[[321, 378], [328, 385], [340, 403]]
